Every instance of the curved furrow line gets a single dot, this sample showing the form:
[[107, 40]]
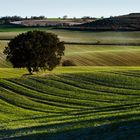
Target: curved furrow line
[[93, 79], [105, 77], [66, 95], [115, 109], [57, 118], [84, 116], [23, 102], [131, 88], [108, 101], [119, 79], [125, 74], [41, 89], [61, 84], [32, 93], [72, 86], [99, 88], [110, 109], [117, 85], [62, 105], [10, 109], [81, 93], [35, 106]]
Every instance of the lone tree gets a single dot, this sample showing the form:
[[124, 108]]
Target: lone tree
[[35, 50]]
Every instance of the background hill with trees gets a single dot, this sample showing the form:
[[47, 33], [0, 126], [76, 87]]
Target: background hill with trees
[[130, 22]]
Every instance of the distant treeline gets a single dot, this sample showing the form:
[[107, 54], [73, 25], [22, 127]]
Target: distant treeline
[[9, 19]]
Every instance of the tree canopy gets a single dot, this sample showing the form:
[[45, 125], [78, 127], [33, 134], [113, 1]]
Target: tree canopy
[[35, 50]]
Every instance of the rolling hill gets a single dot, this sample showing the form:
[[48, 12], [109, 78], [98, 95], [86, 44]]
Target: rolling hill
[[71, 103], [81, 103], [93, 55], [129, 22]]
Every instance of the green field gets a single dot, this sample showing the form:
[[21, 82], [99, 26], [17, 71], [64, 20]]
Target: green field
[[88, 55], [71, 103], [91, 55], [78, 36], [99, 99]]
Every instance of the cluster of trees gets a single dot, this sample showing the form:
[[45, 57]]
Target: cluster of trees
[[38, 17], [8, 19]]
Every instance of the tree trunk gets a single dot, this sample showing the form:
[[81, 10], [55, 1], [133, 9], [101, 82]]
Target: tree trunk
[[29, 70]]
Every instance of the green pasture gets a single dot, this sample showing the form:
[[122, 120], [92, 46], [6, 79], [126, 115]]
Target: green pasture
[[77, 36], [18, 73]]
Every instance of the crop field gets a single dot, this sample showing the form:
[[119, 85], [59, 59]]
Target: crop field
[[97, 99], [91, 55], [71, 103]]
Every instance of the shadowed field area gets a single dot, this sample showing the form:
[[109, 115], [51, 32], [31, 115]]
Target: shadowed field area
[[74, 102]]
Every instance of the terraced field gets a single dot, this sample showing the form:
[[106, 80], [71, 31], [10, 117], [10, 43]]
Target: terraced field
[[71, 103]]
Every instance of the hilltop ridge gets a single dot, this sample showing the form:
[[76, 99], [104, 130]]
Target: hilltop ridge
[[130, 22]]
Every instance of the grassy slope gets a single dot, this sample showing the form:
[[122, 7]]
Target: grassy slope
[[103, 55], [79, 104], [89, 55], [3, 62]]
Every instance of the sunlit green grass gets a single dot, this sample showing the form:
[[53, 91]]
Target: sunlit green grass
[[68, 101], [17, 73]]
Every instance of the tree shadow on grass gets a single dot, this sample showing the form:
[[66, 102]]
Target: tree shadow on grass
[[125, 130], [26, 75]]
